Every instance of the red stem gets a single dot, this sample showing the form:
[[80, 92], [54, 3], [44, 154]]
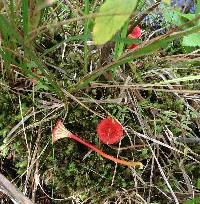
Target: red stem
[[98, 151]]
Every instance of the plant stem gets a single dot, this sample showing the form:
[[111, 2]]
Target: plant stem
[[86, 31]]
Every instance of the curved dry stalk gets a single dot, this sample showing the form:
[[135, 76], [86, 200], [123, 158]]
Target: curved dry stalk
[[61, 132]]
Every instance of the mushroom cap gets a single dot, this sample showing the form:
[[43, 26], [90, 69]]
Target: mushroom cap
[[59, 132], [132, 46], [136, 32], [109, 131]]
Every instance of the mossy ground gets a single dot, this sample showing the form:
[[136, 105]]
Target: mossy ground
[[153, 117]]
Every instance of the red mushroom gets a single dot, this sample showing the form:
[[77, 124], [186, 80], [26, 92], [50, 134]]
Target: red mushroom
[[60, 131], [109, 131], [136, 33]]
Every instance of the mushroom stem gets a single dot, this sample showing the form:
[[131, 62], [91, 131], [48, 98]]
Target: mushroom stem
[[60, 132], [103, 154]]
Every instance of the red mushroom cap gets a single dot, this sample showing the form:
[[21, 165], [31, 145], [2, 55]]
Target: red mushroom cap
[[132, 46], [109, 131], [136, 33]]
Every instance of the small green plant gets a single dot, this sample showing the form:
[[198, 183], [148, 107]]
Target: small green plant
[[178, 18], [195, 200]]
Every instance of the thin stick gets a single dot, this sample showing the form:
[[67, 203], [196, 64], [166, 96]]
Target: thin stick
[[10, 190]]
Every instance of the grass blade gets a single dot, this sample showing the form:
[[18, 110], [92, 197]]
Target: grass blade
[[25, 16]]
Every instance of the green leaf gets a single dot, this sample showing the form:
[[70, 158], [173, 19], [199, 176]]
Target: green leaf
[[192, 40], [176, 17], [171, 16], [187, 16], [111, 18]]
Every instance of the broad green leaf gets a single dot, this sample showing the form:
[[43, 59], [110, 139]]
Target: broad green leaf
[[111, 17], [192, 40]]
